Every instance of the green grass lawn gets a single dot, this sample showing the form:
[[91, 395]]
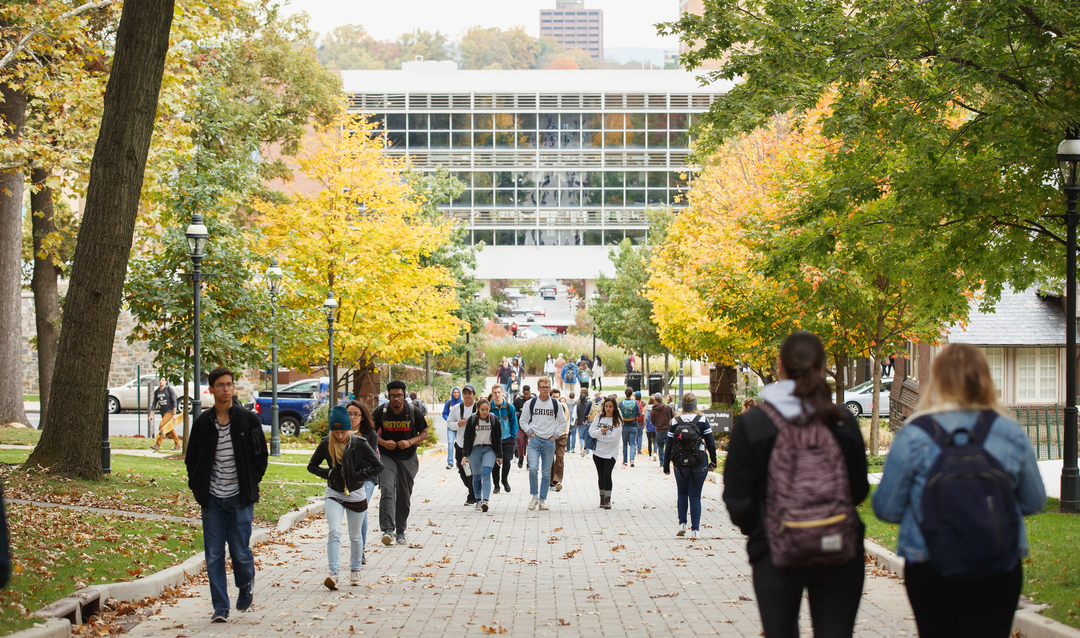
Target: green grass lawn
[[27, 436], [56, 552]]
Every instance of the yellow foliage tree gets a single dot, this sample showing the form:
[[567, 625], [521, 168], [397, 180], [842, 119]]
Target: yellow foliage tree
[[364, 237]]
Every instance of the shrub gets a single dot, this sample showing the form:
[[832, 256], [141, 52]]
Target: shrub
[[535, 351], [319, 420], [885, 435]]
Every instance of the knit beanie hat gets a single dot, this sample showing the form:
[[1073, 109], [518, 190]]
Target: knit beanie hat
[[339, 419]]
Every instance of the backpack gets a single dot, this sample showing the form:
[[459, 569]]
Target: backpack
[[969, 513], [628, 409], [629, 365], [810, 517], [569, 374], [686, 452]]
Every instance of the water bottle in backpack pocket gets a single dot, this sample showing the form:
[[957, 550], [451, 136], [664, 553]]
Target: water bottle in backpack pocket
[[970, 520]]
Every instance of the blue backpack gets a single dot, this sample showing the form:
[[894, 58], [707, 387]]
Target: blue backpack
[[969, 515]]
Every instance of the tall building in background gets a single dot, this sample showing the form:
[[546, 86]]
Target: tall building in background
[[696, 7], [575, 27]]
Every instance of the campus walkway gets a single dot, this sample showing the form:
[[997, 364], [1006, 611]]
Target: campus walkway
[[575, 570]]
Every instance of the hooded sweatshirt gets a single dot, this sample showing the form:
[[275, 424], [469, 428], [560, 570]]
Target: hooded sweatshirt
[[457, 413], [455, 398], [508, 416]]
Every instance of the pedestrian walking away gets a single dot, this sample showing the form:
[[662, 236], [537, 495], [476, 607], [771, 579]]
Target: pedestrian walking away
[[364, 426], [459, 415], [522, 438], [400, 428], [692, 450], [598, 373], [508, 423], [605, 429], [640, 422], [558, 462], [502, 374], [661, 416], [963, 547], [418, 403], [451, 432], [650, 429], [549, 367], [794, 473], [514, 385], [351, 462], [164, 401], [628, 411], [560, 363], [579, 430], [569, 375], [584, 376], [226, 460], [483, 435], [544, 421]]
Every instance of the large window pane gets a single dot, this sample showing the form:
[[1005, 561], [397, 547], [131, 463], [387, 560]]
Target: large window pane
[[525, 179], [592, 238], [440, 122], [485, 236], [548, 121], [594, 197], [614, 178], [570, 140], [440, 140], [465, 199], [592, 140], [522, 237], [657, 179], [635, 140], [549, 238], [461, 121], [658, 121], [591, 121], [570, 121], [482, 197], [482, 121], [613, 121], [462, 140], [592, 178], [504, 197], [504, 238], [635, 197], [657, 140], [635, 121], [526, 140], [678, 121], [504, 121], [504, 179], [678, 140], [396, 139], [613, 140], [613, 237], [549, 139], [418, 140], [678, 179], [418, 122], [636, 235], [635, 179], [483, 140], [378, 120], [484, 179], [526, 121], [613, 197], [504, 140], [395, 121]]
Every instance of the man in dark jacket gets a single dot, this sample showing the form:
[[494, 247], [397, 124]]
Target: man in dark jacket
[[226, 460]]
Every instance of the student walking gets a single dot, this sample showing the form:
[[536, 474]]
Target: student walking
[[164, 401], [650, 429], [543, 421], [690, 437], [605, 429], [351, 462], [661, 416], [560, 363], [640, 422], [400, 428], [598, 373], [628, 411], [364, 427], [451, 432], [584, 376], [483, 436], [226, 460], [459, 416], [549, 368], [798, 458], [507, 415], [557, 464], [569, 374], [522, 437], [964, 547], [580, 420]]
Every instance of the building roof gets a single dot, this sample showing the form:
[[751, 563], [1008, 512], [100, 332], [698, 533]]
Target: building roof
[[419, 79], [1020, 319]]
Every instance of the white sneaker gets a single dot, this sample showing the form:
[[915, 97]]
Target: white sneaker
[[354, 578], [584, 452], [534, 502], [478, 504], [331, 582], [543, 505], [682, 530], [387, 539], [693, 535]]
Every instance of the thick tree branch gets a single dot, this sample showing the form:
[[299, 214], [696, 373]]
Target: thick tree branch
[[21, 44]]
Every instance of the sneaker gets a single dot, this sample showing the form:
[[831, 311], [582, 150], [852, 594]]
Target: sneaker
[[506, 487], [354, 578], [682, 530], [156, 448], [631, 464], [624, 464], [693, 535], [558, 487], [583, 451], [534, 502], [363, 560], [243, 601], [331, 582], [484, 506], [449, 466], [470, 501], [220, 616], [479, 504], [401, 540], [387, 539], [543, 506], [495, 489]]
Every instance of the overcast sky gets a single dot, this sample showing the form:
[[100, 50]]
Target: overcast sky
[[627, 23]]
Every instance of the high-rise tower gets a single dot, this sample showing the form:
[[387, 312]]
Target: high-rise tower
[[575, 27]]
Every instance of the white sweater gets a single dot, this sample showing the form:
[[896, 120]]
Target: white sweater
[[543, 420], [607, 445], [458, 412]]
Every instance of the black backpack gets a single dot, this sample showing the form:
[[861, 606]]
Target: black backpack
[[970, 519], [686, 440]]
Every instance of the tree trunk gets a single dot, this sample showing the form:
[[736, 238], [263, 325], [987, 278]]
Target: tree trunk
[[45, 287], [841, 370], [105, 237], [875, 421], [13, 118]]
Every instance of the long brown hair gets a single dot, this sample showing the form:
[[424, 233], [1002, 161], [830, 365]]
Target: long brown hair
[[616, 416], [803, 358], [367, 425], [960, 377]]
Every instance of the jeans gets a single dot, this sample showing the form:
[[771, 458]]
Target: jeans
[[508, 446], [459, 453], [395, 487], [690, 483], [943, 606], [629, 441], [450, 436], [640, 437], [541, 454], [834, 592], [481, 460], [582, 432], [224, 521], [571, 438], [334, 512], [661, 446], [603, 472], [369, 489]]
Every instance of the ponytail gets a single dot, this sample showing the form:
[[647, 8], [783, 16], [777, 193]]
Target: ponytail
[[803, 357]]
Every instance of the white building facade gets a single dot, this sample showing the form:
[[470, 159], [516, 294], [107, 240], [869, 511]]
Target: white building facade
[[558, 165]]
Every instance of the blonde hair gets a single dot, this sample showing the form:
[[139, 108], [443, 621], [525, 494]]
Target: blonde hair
[[959, 379], [690, 397], [337, 448]]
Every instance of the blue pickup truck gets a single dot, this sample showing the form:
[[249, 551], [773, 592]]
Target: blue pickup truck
[[295, 403]]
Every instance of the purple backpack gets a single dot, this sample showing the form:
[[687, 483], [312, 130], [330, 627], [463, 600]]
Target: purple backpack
[[810, 518]]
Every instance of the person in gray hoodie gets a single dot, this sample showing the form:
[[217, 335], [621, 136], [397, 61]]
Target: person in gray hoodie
[[543, 420]]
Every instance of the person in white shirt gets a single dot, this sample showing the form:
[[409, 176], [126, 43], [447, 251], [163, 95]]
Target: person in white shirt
[[607, 430], [543, 420], [459, 415]]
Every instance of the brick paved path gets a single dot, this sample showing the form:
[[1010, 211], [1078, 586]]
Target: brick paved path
[[575, 570]]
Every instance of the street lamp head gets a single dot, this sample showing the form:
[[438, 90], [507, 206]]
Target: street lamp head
[[196, 235], [1068, 157], [273, 276], [330, 305]]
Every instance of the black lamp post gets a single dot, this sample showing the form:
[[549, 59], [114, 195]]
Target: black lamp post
[[273, 282], [1068, 156], [330, 306], [196, 239]]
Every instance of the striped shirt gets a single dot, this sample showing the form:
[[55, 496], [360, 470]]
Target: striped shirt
[[223, 483]]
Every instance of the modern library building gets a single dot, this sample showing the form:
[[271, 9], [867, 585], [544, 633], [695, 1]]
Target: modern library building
[[558, 166]]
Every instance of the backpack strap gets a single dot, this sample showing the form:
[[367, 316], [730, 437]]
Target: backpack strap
[[982, 426], [976, 434], [774, 415]]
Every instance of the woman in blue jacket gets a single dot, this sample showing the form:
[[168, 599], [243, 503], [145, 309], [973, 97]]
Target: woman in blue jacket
[[502, 408], [960, 395], [455, 398]]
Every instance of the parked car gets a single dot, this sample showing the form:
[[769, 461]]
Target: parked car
[[858, 399], [537, 311], [130, 397], [548, 292], [295, 403]]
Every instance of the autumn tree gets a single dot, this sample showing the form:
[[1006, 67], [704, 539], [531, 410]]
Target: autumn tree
[[350, 46]]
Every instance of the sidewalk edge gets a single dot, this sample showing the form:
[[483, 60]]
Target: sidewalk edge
[[51, 628]]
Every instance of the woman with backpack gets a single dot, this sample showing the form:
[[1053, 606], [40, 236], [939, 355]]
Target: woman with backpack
[[584, 375], [606, 430], [351, 462], [482, 446], [628, 412], [451, 434], [364, 427], [690, 436], [794, 473], [549, 368], [963, 546]]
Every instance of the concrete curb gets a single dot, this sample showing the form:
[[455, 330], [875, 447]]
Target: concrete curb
[[884, 558], [287, 521], [51, 628]]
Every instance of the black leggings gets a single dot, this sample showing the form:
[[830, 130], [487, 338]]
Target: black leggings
[[603, 472], [834, 592], [652, 441], [961, 608], [507, 457]]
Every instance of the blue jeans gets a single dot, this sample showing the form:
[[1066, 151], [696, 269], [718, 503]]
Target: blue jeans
[[541, 454], [450, 436], [690, 483], [661, 446], [369, 489], [571, 438], [224, 521], [640, 437], [334, 512], [629, 441], [481, 460]]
